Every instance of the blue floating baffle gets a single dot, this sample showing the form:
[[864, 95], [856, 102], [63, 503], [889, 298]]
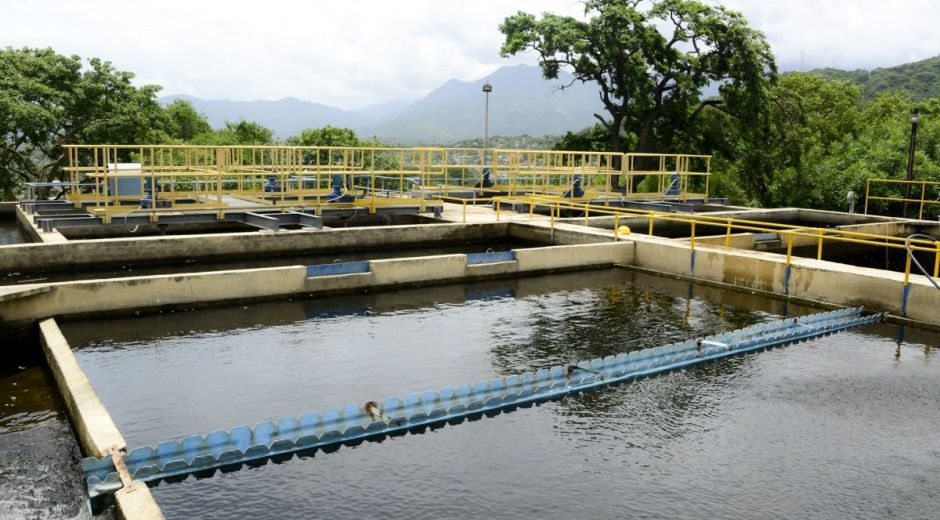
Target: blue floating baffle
[[491, 257], [337, 268], [355, 422]]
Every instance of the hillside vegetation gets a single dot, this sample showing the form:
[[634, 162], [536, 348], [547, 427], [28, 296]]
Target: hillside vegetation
[[920, 78]]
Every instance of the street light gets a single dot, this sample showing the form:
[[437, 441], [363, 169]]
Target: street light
[[910, 160], [487, 88]]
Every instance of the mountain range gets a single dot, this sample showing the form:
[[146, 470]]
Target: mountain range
[[920, 78], [522, 102]]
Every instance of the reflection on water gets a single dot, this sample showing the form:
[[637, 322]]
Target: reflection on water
[[836, 427], [10, 233]]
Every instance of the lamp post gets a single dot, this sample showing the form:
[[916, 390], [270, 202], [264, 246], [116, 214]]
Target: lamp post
[[910, 160], [487, 88]]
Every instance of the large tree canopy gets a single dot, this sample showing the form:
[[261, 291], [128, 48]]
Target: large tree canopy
[[47, 100], [651, 60], [185, 122]]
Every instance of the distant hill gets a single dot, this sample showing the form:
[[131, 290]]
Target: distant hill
[[521, 103], [920, 78], [286, 117]]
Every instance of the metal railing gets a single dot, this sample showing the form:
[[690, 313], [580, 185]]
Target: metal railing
[[112, 177], [929, 193], [220, 177], [793, 233]]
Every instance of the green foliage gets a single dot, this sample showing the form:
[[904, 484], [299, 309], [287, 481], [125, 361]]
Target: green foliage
[[326, 136], [591, 139], [821, 140], [239, 133], [47, 99], [185, 122], [650, 79], [514, 142], [920, 78], [331, 136]]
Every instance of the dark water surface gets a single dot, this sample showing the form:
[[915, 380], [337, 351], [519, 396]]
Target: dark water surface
[[841, 427], [10, 233], [39, 457]]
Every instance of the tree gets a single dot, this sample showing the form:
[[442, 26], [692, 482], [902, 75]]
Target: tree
[[184, 121], [241, 132], [331, 136], [326, 136], [591, 139], [650, 82], [47, 100]]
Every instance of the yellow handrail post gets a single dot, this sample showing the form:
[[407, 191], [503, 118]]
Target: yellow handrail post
[[617, 231], [907, 270], [789, 247], [936, 262], [693, 235], [867, 188], [651, 215], [728, 235], [464, 211], [820, 246]]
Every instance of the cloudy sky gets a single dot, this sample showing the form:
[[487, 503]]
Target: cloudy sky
[[354, 53]]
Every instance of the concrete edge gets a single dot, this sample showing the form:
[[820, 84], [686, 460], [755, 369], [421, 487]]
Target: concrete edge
[[22, 292], [96, 432], [137, 503], [891, 318], [110, 297], [34, 233]]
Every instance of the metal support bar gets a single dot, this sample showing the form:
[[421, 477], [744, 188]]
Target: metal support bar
[[374, 420], [261, 221]]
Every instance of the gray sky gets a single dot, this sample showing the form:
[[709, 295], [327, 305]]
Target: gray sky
[[354, 53]]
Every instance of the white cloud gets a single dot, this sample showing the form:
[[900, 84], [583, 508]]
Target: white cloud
[[355, 53], [845, 33]]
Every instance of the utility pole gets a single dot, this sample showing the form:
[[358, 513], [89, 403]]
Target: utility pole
[[910, 160], [487, 88]]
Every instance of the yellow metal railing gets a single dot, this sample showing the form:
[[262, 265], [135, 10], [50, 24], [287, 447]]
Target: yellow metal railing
[[663, 168], [929, 193], [816, 235], [219, 177], [200, 177]]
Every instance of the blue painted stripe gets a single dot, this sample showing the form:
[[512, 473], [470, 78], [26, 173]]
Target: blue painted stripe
[[692, 263], [905, 292], [491, 257], [786, 281], [337, 268]]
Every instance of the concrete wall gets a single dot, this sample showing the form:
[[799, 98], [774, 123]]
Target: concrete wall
[[94, 428], [563, 234], [152, 249], [96, 432], [33, 232], [122, 294], [810, 279]]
